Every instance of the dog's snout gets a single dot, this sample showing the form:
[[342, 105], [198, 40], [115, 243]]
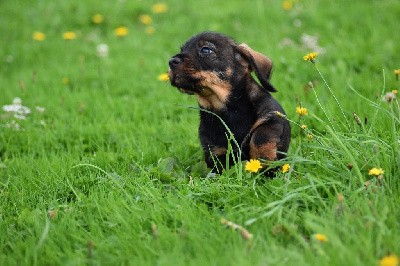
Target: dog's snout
[[174, 61]]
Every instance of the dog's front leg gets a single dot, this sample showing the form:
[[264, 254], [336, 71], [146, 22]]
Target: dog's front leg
[[215, 158], [265, 141]]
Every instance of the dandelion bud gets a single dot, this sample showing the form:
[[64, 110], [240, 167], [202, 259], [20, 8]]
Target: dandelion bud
[[357, 119]]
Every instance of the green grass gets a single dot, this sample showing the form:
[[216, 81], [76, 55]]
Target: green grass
[[111, 172]]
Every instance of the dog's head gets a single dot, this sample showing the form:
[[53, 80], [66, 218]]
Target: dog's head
[[210, 65]]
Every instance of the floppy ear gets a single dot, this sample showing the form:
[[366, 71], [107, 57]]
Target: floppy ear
[[259, 63]]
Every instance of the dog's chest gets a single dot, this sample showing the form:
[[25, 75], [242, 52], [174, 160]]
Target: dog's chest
[[238, 121]]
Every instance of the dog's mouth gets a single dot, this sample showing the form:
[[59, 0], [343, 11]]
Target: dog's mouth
[[183, 82]]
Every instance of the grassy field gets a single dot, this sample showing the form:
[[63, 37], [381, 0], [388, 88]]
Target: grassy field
[[105, 168]]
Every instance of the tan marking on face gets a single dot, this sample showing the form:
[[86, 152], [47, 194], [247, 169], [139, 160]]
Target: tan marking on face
[[215, 91], [228, 72], [264, 151], [218, 151]]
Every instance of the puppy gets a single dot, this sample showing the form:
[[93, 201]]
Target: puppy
[[218, 72]]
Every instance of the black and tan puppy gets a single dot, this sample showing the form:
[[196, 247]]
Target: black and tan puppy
[[219, 73]]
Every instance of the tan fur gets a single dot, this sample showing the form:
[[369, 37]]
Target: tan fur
[[264, 151], [228, 72], [215, 91], [218, 150]]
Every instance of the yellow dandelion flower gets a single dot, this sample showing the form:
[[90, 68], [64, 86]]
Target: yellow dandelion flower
[[38, 36], [310, 137], [321, 237], [97, 19], [303, 127], [390, 260], [285, 168], [340, 197], [163, 77], [253, 166], [376, 171], [65, 80], [394, 92], [287, 5], [121, 31], [301, 111], [159, 8], [69, 35], [145, 19], [397, 73], [310, 57], [150, 30]]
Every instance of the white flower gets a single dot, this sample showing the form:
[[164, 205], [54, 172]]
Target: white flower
[[297, 23], [17, 101], [20, 117], [17, 108], [13, 125], [388, 97], [102, 50], [310, 42], [40, 109]]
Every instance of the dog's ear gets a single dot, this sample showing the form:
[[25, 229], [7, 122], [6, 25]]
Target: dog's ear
[[259, 63]]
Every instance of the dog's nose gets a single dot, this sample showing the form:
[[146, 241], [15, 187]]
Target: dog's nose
[[174, 61]]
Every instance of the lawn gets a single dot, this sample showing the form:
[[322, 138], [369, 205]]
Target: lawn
[[100, 162]]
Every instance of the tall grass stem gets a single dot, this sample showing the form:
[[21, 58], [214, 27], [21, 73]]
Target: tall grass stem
[[329, 88]]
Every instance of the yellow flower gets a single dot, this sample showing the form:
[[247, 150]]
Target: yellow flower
[[159, 8], [376, 171], [253, 166], [121, 31], [310, 137], [145, 19], [303, 127], [397, 71], [163, 77], [150, 30], [390, 260], [97, 19], [69, 35], [310, 57], [301, 110], [340, 197], [321, 237], [38, 36], [65, 80], [287, 5], [394, 92], [285, 168]]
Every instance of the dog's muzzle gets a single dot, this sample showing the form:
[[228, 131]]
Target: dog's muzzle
[[174, 62], [179, 76]]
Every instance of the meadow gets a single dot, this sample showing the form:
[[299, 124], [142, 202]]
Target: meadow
[[100, 162]]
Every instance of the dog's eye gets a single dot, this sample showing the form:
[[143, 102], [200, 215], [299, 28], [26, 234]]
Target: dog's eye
[[205, 50]]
